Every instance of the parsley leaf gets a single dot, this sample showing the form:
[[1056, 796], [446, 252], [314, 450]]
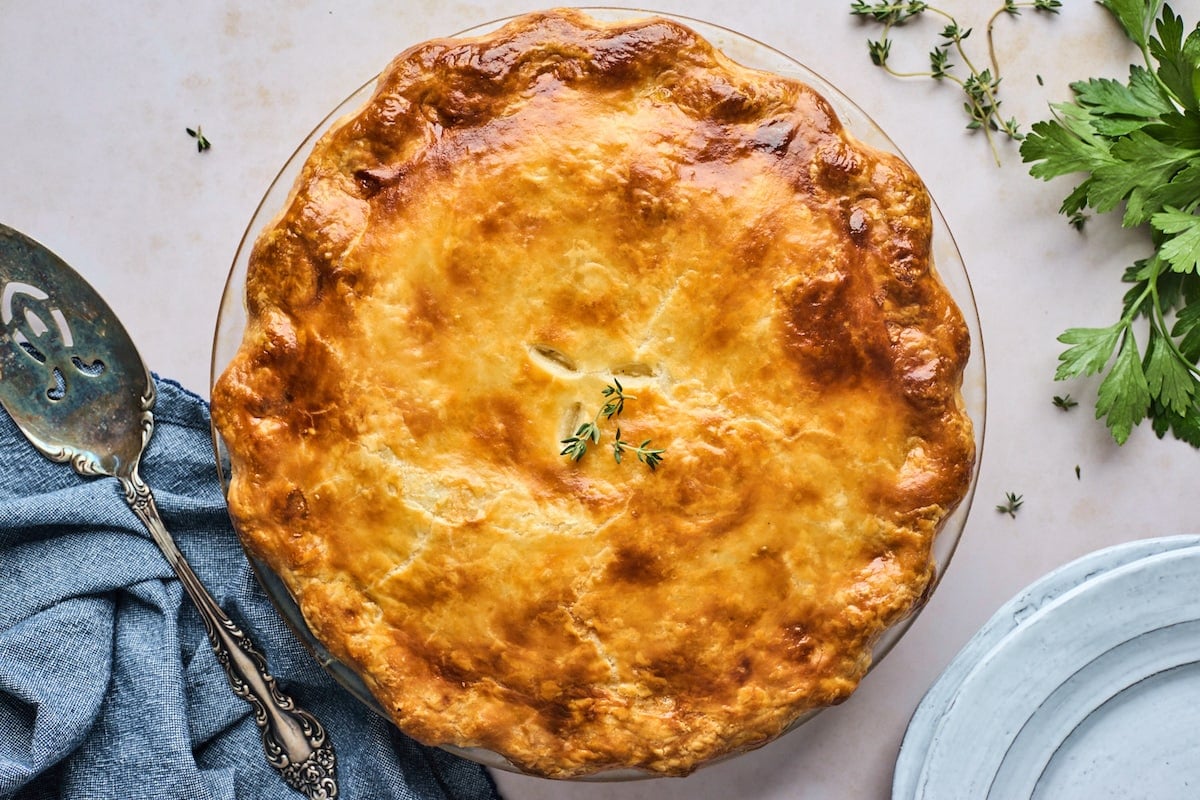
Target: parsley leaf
[[1090, 350], [1167, 378], [1187, 332], [1176, 57], [1182, 250], [1140, 165], [1124, 396], [1064, 145], [1141, 99], [1136, 17], [1185, 427]]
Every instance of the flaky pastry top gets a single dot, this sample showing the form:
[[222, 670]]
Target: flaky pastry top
[[510, 224]]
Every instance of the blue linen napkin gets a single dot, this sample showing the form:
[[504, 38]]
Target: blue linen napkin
[[108, 686]]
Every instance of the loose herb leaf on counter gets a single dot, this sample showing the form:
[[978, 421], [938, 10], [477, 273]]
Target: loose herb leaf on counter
[[1065, 402], [1137, 145], [1011, 505], [980, 87], [202, 142]]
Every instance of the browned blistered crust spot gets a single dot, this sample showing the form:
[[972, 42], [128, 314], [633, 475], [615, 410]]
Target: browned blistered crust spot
[[461, 267]]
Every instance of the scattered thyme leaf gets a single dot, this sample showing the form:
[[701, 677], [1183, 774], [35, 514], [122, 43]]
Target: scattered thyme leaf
[[1077, 472], [1065, 402], [202, 142], [1011, 505]]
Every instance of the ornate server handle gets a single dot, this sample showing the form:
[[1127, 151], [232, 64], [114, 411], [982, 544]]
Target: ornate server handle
[[294, 741]]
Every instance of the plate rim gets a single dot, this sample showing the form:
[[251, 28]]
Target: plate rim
[[939, 767], [1040, 593]]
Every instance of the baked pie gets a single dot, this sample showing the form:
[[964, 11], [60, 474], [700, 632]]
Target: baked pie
[[599, 403]]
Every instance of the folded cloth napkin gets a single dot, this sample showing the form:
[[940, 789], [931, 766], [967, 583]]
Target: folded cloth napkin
[[108, 686]]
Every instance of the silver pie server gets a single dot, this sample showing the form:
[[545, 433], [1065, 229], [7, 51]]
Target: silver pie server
[[73, 382]]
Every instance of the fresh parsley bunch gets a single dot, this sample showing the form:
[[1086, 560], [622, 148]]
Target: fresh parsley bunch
[[1138, 143]]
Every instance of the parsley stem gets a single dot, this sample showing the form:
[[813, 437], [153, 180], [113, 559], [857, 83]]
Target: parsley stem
[[1143, 45], [1157, 318], [1159, 321]]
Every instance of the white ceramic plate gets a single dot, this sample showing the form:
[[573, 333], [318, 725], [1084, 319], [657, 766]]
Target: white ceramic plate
[[1086, 685]]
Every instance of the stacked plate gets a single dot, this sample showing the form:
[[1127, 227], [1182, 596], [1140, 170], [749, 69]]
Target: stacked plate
[[1085, 685]]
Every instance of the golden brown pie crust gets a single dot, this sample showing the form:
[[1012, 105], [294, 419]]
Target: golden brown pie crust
[[464, 264]]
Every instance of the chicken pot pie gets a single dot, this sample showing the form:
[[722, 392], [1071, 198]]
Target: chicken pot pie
[[518, 233]]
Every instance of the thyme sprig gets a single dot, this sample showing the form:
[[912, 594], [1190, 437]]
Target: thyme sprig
[[650, 457], [576, 446], [980, 87]]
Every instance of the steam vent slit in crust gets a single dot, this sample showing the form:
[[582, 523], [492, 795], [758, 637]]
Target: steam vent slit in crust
[[462, 267]]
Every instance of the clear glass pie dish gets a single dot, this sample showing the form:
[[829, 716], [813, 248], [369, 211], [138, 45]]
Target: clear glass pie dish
[[231, 324]]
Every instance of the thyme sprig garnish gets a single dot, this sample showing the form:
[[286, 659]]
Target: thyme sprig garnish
[[576, 446], [980, 87]]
